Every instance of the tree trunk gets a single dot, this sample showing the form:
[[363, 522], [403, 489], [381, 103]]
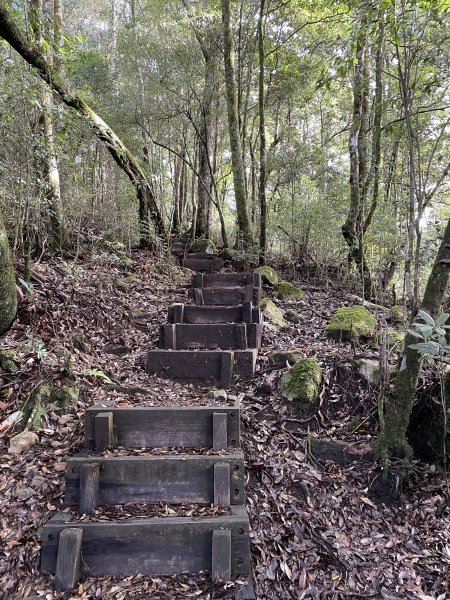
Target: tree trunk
[[120, 153], [399, 407], [8, 296], [262, 141], [233, 129]]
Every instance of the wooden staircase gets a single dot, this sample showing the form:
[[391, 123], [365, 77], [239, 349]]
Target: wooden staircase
[[212, 342]]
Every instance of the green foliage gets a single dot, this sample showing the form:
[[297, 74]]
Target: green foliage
[[351, 322]]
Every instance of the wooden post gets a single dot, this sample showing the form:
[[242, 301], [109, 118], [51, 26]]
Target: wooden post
[[170, 337], [242, 336], [103, 430], [221, 555], [220, 431], [247, 312], [245, 592], [248, 293], [68, 560], [222, 485], [89, 485], [178, 313], [226, 368], [199, 301]]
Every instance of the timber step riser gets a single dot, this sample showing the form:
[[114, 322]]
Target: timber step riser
[[220, 336], [157, 546], [177, 479], [210, 315], [203, 265], [181, 427], [226, 280], [226, 296], [202, 367]]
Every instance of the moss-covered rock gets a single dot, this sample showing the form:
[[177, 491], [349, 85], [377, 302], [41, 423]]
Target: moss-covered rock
[[272, 313], [369, 369], [121, 286], [65, 400], [398, 313], [281, 357], [301, 383], [203, 245], [288, 290], [8, 361], [268, 275], [36, 405], [293, 316], [351, 322]]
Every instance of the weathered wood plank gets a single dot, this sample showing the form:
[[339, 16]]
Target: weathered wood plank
[[245, 592], [89, 486], [204, 315], [226, 280], [203, 265], [173, 479], [198, 297], [226, 369], [220, 433], [103, 430], [221, 555], [67, 570], [164, 546], [224, 336], [156, 427], [222, 488], [222, 296]]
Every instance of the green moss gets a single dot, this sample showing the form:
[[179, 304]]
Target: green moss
[[66, 398], [8, 361], [301, 383], [288, 290], [203, 245], [351, 322], [36, 406], [293, 316], [273, 313], [268, 275], [121, 286]]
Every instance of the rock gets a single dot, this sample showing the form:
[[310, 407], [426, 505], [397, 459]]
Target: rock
[[66, 398], [268, 275], [281, 357], [203, 245], [40, 484], [273, 313], [22, 441], [35, 407], [293, 316], [217, 395], [339, 452], [152, 298], [288, 290], [301, 382], [24, 493], [8, 361], [351, 322], [369, 368], [398, 314]]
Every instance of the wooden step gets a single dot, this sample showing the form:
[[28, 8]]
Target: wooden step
[[184, 478], [202, 367], [215, 280], [226, 336], [222, 296], [202, 265], [155, 546], [188, 313], [156, 427], [200, 256]]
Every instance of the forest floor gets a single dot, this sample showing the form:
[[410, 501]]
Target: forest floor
[[320, 529]]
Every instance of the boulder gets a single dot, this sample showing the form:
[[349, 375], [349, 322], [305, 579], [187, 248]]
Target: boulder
[[369, 368], [281, 357], [217, 395], [8, 361], [288, 290], [203, 245], [351, 322], [22, 441], [272, 313], [268, 275], [302, 381]]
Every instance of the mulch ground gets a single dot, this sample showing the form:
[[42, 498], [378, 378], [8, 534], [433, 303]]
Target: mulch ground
[[320, 529]]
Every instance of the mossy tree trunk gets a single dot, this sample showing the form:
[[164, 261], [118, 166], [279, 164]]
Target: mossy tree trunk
[[262, 139], [148, 209], [400, 402], [237, 162], [8, 296]]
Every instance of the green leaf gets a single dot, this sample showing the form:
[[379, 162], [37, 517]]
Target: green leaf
[[426, 317], [415, 334], [442, 319], [426, 348], [97, 373]]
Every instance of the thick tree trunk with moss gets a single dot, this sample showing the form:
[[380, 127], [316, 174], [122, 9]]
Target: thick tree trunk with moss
[[8, 296], [233, 128], [262, 139], [401, 399], [120, 153]]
